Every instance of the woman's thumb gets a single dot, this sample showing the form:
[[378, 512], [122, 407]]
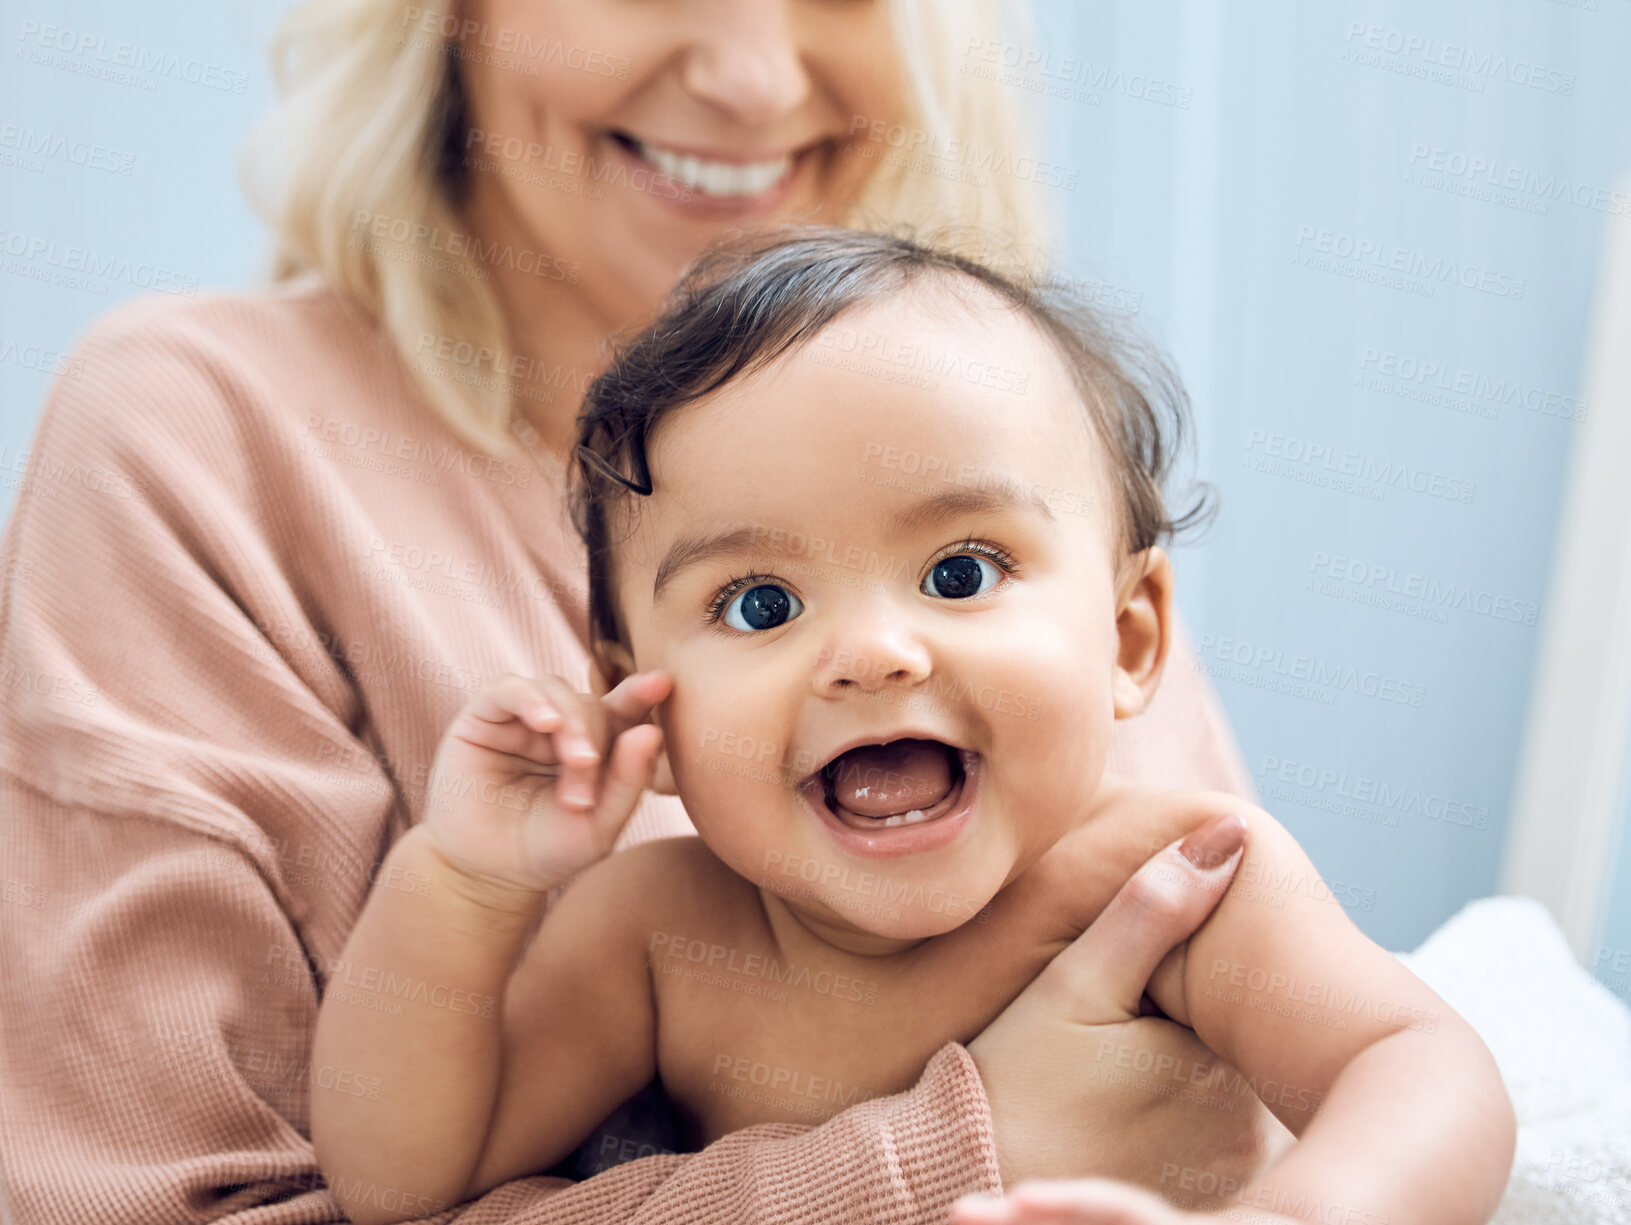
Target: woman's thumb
[[1108, 966]]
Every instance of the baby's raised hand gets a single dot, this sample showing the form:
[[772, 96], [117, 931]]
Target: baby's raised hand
[[533, 780]]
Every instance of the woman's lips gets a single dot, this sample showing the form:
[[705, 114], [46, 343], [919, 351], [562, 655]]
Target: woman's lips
[[872, 839], [690, 201], [728, 176]]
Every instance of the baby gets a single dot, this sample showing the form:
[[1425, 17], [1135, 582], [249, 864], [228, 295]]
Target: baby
[[873, 540]]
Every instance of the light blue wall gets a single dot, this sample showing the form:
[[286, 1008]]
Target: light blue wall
[[1610, 957], [138, 174], [1271, 120], [1297, 126]]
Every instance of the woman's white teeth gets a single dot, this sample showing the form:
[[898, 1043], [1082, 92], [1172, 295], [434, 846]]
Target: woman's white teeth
[[717, 178], [909, 818]]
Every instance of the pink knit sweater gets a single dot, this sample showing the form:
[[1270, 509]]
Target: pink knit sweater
[[248, 580]]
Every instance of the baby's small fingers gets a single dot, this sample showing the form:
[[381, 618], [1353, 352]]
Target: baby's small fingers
[[1096, 1201], [1088, 1201], [576, 741], [580, 729], [495, 719], [982, 1210], [635, 696], [1010, 1212], [629, 769], [511, 698]]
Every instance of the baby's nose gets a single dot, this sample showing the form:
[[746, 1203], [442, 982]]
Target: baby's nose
[[871, 661]]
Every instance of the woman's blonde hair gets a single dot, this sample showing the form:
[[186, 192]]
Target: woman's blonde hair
[[358, 169]]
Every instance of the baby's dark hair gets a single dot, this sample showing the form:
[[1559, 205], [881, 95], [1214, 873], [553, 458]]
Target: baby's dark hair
[[743, 303]]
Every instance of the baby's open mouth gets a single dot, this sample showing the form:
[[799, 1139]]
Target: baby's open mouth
[[902, 782]]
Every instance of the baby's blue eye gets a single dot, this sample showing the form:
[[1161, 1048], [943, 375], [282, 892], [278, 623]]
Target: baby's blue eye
[[762, 608], [958, 578]]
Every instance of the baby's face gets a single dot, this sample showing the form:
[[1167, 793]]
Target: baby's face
[[847, 557]]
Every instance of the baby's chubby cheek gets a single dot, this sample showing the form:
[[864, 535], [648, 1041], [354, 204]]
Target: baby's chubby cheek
[[1050, 734], [721, 756]]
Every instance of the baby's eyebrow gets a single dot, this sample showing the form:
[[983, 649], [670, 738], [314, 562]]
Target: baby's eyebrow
[[996, 494], [690, 551]]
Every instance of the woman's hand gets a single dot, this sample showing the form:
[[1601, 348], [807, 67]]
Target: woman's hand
[[1081, 1083], [533, 781]]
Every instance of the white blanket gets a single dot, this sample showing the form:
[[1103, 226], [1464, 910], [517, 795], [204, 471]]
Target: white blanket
[[1563, 1043]]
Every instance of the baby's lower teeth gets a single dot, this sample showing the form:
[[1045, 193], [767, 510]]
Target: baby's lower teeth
[[909, 818]]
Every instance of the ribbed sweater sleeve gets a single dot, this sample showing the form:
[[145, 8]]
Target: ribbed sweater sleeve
[[894, 1159], [224, 672]]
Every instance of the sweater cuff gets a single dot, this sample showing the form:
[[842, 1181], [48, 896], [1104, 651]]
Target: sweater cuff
[[943, 1135]]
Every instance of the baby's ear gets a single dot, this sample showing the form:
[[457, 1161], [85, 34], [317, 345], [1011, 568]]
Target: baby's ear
[[1143, 630], [610, 664]]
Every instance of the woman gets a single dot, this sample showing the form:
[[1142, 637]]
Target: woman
[[271, 540]]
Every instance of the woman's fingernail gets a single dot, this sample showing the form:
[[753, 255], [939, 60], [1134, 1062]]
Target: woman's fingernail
[[1215, 843]]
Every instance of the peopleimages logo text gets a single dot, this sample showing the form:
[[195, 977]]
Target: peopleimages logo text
[[1474, 62], [1429, 269], [133, 56]]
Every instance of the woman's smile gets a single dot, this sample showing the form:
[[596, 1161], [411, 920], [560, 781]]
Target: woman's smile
[[714, 183], [715, 119]]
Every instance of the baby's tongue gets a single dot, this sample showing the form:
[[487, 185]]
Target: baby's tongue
[[880, 780]]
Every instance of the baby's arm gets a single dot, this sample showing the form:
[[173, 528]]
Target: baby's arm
[[484, 1076], [580, 1020], [1400, 1109], [469, 1086]]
